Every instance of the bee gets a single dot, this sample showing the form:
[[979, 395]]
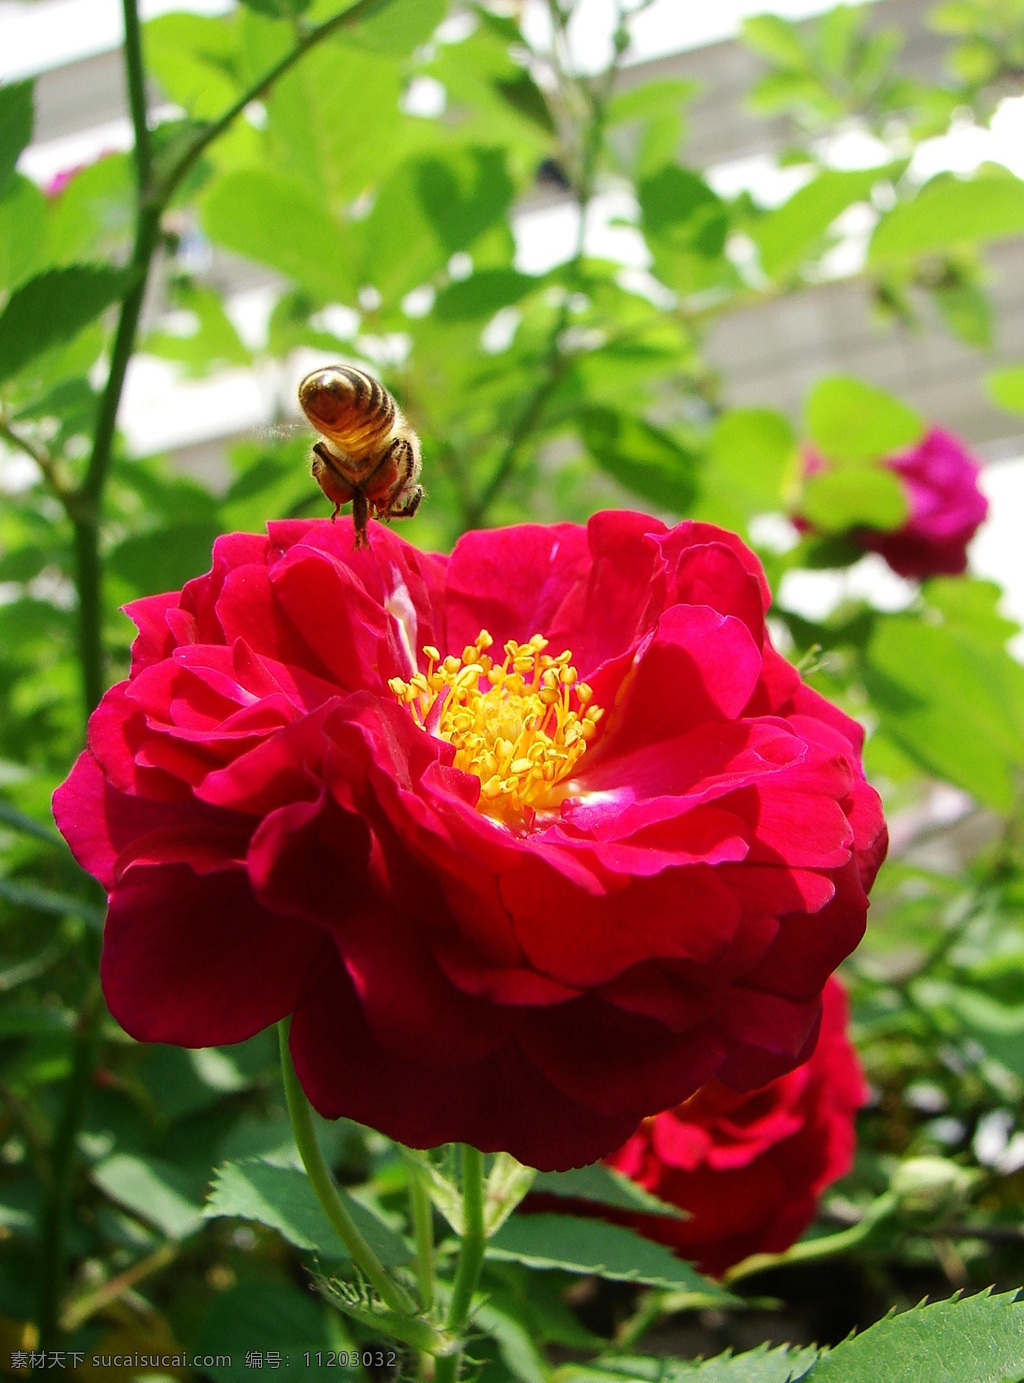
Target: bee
[[369, 454]]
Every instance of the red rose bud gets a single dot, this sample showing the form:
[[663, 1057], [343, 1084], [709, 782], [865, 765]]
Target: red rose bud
[[532, 840], [940, 480], [748, 1169]]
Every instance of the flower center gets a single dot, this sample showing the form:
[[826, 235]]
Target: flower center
[[521, 726]]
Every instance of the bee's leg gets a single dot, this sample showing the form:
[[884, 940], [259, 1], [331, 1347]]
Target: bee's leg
[[360, 518], [401, 457], [327, 476], [405, 505]]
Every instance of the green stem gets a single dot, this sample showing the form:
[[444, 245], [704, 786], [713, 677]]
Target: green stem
[[135, 78], [53, 1222], [471, 1257], [423, 1231], [327, 1193], [825, 1247]]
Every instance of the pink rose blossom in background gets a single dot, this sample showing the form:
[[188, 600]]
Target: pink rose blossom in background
[[940, 480]]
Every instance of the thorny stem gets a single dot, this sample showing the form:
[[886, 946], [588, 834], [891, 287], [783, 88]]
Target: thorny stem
[[471, 1257], [322, 1182]]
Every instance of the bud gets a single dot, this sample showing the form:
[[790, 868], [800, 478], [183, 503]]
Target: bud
[[932, 1187]]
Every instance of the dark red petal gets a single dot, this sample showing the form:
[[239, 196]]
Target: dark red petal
[[500, 1103], [195, 960], [614, 1061]]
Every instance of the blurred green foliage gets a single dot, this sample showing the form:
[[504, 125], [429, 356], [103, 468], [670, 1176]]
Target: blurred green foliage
[[388, 238]]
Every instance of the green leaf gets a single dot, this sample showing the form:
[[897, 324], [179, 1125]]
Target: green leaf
[[949, 210], [977, 1339], [999, 1028], [93, 217], [577, 1245], [1006, 387], [751, 452], [785, 1364], [651, 100], [396, 28], [276, 220], [482, 294], [854, 497], [213, 341], [30, 1020], [22, 231], [464, 194], [283, 1199], [967, 310], [17, 117], [787, 234], [949, 696], [776, 39], [165, 558], [678, 206], [150, 1188], [849, 421], [47, 900], [261, 1316], [194, 57], [18, 821], [278, 9], [607, 1187], [53, 308], [335, 123], [644, 458], [524, 95]]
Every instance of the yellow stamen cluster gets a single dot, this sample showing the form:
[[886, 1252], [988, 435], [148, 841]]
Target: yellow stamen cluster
[[521, 726]]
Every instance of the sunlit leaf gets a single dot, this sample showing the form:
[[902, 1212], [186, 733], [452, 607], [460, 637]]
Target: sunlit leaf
[[949, 210], [153, 1189], [977, 1339], [786, 235], [1007, 387], [54, 307], [852, 497], [277, 221], [850, 421]]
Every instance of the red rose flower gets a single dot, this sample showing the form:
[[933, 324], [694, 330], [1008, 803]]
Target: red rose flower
[[749, 1169], [505, 905], [940, 481]]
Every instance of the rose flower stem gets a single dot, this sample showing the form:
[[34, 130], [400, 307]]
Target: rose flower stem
[[326, 1192], [471, 1256], [809, 1249], [423, 1229]]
